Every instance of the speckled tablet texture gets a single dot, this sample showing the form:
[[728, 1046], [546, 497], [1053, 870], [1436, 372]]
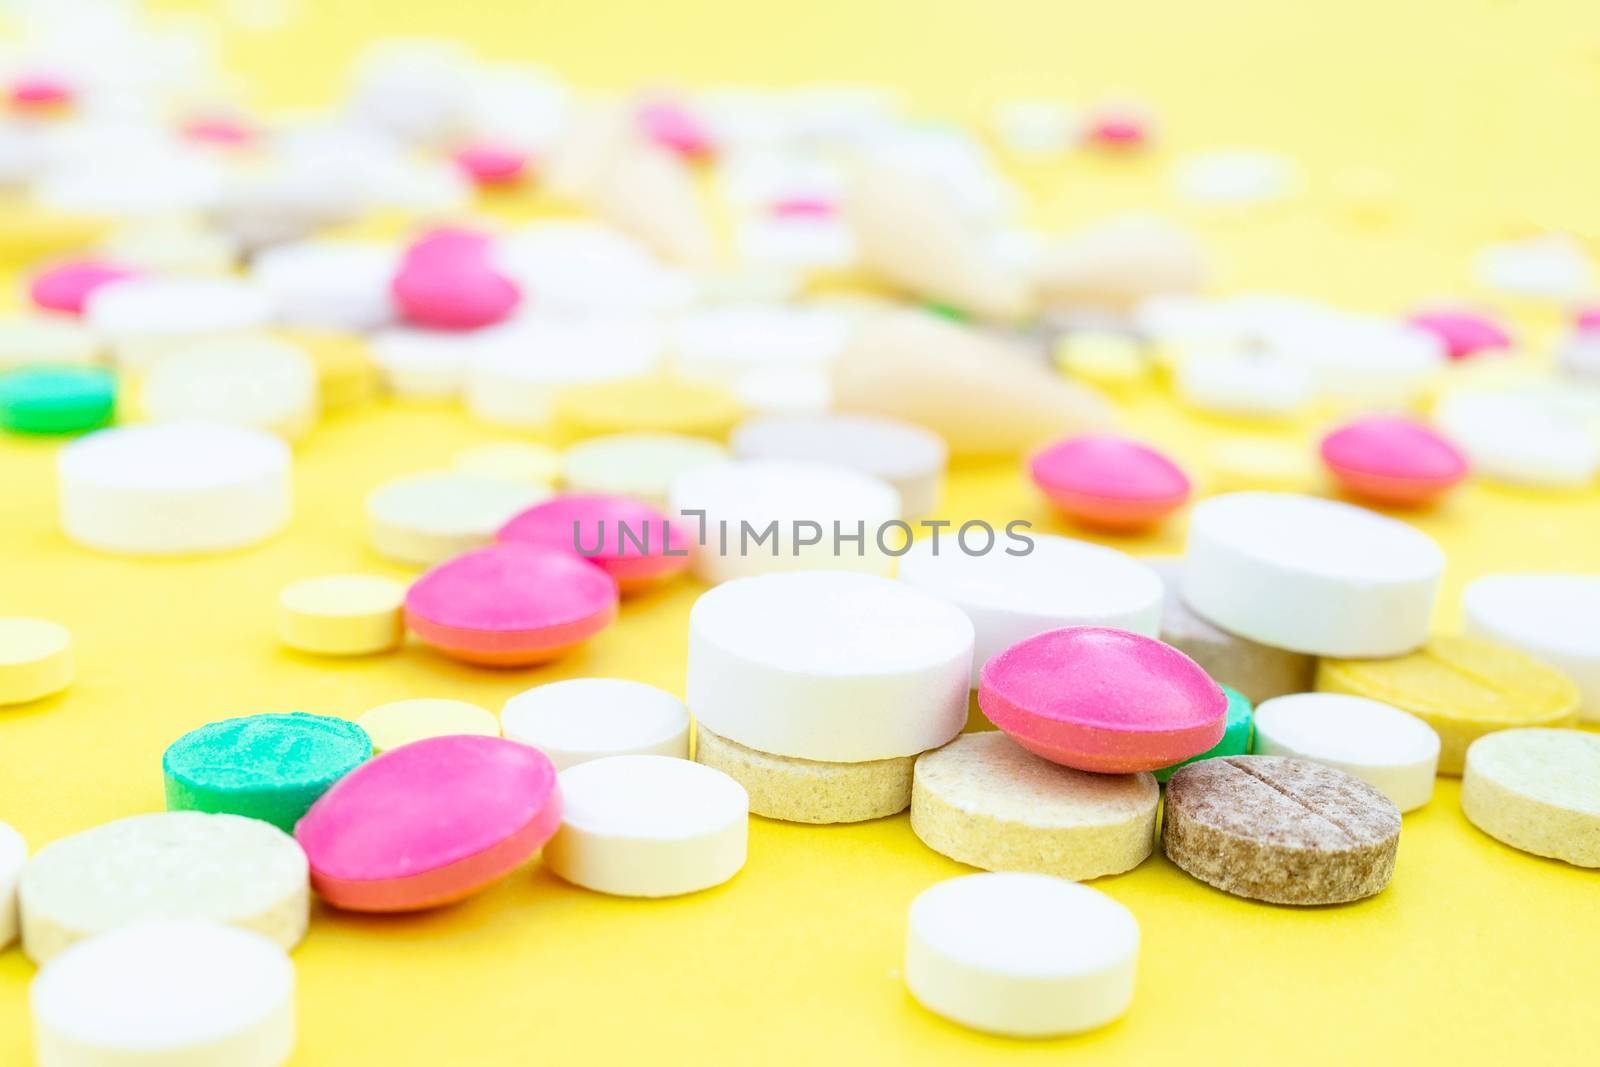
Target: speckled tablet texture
[[811, 791], [1286, 831], [1537, 790]]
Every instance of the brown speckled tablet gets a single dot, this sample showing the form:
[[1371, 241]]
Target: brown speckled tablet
[[1287, 831]]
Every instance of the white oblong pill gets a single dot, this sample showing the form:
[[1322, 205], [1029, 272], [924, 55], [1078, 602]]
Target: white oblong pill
[[829, 666], [263, 382], [1389, 749], [638, 465], [173, 864], [906, 456], [138, 316], [1311, 575], [422, 364], [178, 992], [426, 518], [648, 826], [1025, 955], [1520, 438], [330, 285], [1058, 582], [765, 516], [13, 854], [584, 719], [173, 488], [1554, 618], [512, 379]]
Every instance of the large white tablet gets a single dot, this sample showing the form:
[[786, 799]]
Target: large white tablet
[[258, 381], [138, 316], [512, 380], [330, 285], [906, 456], [1552, 617]]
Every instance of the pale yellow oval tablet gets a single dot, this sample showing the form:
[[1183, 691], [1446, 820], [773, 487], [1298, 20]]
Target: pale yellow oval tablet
[[647, 405], [640, 465], [426, 518], [35, 659], [401, 722], [1538, 791], [346, 375], [1112, 361], [516, 461], [342, 614]]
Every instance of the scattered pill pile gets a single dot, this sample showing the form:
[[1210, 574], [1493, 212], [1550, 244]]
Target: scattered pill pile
[[678, 404]]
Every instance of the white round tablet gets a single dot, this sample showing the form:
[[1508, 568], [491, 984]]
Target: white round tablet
[[829, 666], [648, 826], [1554, 618], [584, 719], [173, 488], [638, 465], [179, 992], [1242, 380], [138, 315], [724, 342], [1311, 575], [1389, 749], [173, 864], [1239, 176], [1059, 582], [1359, 359], [263, 382], [513, 381], [28, 339], [577, 266], [763, 516], [330, 285], [13, 854], [1520, 437], [426, 518], [1025, 955], [422, 364], [908, 457]]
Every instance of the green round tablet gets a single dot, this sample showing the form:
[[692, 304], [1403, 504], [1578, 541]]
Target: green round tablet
[[48, 400], [268, 767], [1235, 735]]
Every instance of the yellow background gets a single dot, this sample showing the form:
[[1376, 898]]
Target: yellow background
[[1484, 115]]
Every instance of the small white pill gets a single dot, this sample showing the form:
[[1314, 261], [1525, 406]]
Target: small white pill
[[512, 380], [1025, 955], [141, 317], [1554, 618], [13, 854], [724, 342], [330, 285], [1059, 582], [426, 518], [263, 382], [1520, 437], [829, 666], [648, 826], [185, 993], [422, 364], [1311, 575], [639, 465], [1243, 380], [906, 456], [1392, 751], [173, 488], [584, 719]]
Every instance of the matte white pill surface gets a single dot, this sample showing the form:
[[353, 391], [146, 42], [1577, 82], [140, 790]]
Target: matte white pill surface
[[584, 719], [829, 666], [512, 381], [330, 285], [426, 518], [185, 993], [263, 382], [638, 465], [1060, 582], [906, 456], [28, 339], [422, 364], [139, 315], [648, 826], [1025, 955], [1552, 617], [173, 488], [1311, 575], [1389, 749], [13, 854], [1520, 438]]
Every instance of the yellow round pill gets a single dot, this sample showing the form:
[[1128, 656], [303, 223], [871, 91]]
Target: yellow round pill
[[647, 405], [1240, 464], [1115, 362], [404, 721], [1463, 687], [35, 659], [342, 614], [515, 461]]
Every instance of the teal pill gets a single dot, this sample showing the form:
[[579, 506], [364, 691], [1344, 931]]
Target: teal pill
[[267, 767], [1236, 734], [49, 400]]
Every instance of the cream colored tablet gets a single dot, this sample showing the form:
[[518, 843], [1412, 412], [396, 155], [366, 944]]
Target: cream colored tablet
[[264, 382], [516, 461], [30, 339], [173, 864], [173, 488], [809, 791], [1024, 955], [401, 722], [183, 993], [829, 666], [638, 465], [513, 379], [583, 719], [1387, 748], [13, 854], [1552, 617], [648, 826], [1058, 582], [906, 456], [1537, 790], [984, 800], [342, 614], [35, 659], [417, 364], [143, 317], [426, 518]]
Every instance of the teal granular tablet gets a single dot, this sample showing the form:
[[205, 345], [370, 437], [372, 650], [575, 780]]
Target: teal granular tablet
[[268, 767], [1235, 736], [50, 400]]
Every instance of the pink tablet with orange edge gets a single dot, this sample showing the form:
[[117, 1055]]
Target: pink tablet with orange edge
[[631, 541], [1390, 460], [1109, 482]]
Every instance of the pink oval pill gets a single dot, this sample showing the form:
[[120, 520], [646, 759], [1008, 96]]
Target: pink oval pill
[[675, 128], [442, 293], [1110, 482], [1390, 460], [803, 207], [41, 91], [510, 605], [1119, 126], [492, 165], [1587, 320], [429, 823], [1464, 333], [631, 541], [217, 130], [1103, 700], [65, 286]]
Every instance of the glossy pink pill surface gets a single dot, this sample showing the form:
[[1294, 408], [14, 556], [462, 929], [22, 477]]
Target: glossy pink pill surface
[[446, 294], [510, 605], [492, 165], [803, 207], [1103, 700], [1464, 333], [633, 542], [1391, 460], [41, 91], [65, 286], [429, 823], [1110, 482], [448, 244], [217, 130], [1118, 127], [675, 128], [1587, 320]]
